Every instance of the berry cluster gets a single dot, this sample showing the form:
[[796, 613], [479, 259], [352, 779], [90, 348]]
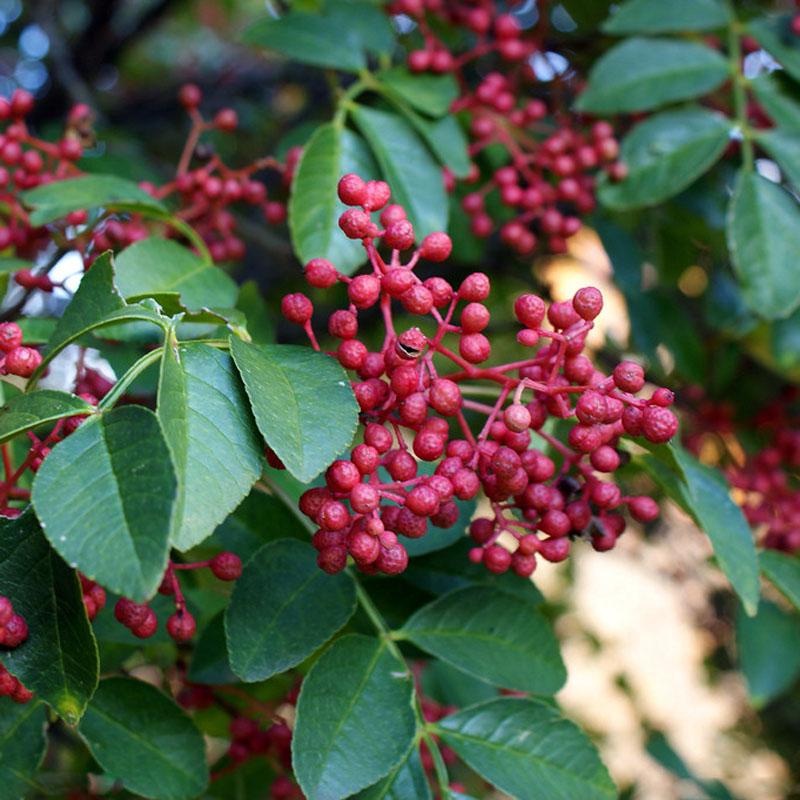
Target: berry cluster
[[94, 596], [13, 631], [16, 359], [548, 178], [141, 620], [405, 397]]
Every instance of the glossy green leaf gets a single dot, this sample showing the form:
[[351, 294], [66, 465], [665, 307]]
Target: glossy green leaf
[[27, 411], [763, 230], [51, 201], [647, 16], [22, 744], [283, 608], [428, 93], [703, 493], [212, 436], [526, 749], [105, 497], [776, 37], [446, 140], [782, 145], [451, 687], [302, 401], [666, 153], [784, 571], [307, 38], [314, 206], [406, 780], [768, 652], [408, 167], [58, 661], [153, 266], [364, 22], [492, 635], [355, 720], [144, 740], [210, 663], [641, 73], [780, 98]]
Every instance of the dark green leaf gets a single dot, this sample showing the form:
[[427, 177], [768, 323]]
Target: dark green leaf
[[768, 652], [452, 687], [355, 720], [51, 201], [430, 94], [763, 232], [314, 206], [777, 38], [210, 663], [782, 145], [22, 743], [640, 73], [105, 497], [144, 740], [408, 167], [58, 661], [307, 38], [784, 571], [283, 608], [492, 635], [445, 139], [526, 749], [154, 266], [27, 411], [780, 98], [257, 316], [647, 16], [407, 780], [785, 341], [664, 154], [302, 401], [211, 434]]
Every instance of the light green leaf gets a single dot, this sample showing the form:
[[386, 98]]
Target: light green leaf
[[782, 145], [784, 571], [780, 98], [51, 201], [58, 661], [302, 401], [492, 635], [776, 37], [355, 720], [665, 154], [214, 442], [314, 206], [640, 73], [22, 743], [105, 497], [647, 16], [430, 94], [283, 608], [145, 741], [763, 231], [408, 167], [27, 411], [526, 749]]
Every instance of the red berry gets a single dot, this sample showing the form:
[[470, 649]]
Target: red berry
[[399, 235], [226, 120], [351, 190], [190, 96], [393, 560], [148, 627], [417, 299], [474, 348], [343, 324], [475, 288], [497, 559], [588, 302], [376, 195], [342, 476], [22, 361], [436, 247], [530, 310], [181, 626], [297, 308], [226, 566], [6, 610], [10, 336], [474, 317], [658, 424], [364, 290], [355, 223], [629, 377]]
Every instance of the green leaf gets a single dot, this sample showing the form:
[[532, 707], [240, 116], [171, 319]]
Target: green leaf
[[257, 316], [406, 780], [641, 73], [408, 167], [526, 749], [58, 661], [666, 153], [364, 21], [784, 571], [452, 687], [430, 94], [780, 98], [647, 16], [768, 653], [105, 497], [51, 201], [283, 608], [314, 206], [703, 493], [144, 740], [27, 411], [302, 401], [154, 266], [777, 38], [763, 230], [211, 434], [307, 38], [784, 335], [782, 146], [492, 635], [22, 743], [210, 663], [446, 140], [355, 720]]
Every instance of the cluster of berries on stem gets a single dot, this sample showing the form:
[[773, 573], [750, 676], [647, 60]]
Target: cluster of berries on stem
[[412, 411], [13, 631]]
